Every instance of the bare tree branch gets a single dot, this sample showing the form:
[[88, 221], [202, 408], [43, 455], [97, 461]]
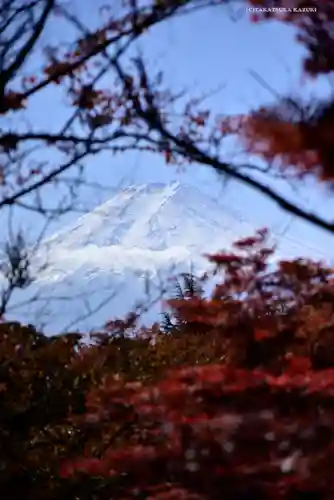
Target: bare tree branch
[[10, 72], [188, 149]]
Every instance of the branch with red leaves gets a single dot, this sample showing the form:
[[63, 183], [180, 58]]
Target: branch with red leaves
[[185, 145]]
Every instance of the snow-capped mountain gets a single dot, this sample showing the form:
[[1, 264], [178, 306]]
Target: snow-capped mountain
[[143, 228], [95, 267]]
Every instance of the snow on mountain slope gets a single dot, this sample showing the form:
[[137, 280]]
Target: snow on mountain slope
[[143, 228], [97, 267]]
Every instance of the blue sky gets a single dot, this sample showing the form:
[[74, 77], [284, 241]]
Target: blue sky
[[203, 53]]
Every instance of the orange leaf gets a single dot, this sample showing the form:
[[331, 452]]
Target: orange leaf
[[262, 334]]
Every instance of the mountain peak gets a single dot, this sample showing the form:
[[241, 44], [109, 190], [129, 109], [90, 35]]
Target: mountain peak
[[157, 224], [133, 207], [149, 230], [156, 217]]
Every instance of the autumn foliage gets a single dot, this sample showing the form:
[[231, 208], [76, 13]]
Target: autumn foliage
[[232, 397], [298, 135], [237, 398]]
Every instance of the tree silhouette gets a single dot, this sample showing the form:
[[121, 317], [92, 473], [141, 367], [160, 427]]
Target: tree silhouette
[[187, 286]]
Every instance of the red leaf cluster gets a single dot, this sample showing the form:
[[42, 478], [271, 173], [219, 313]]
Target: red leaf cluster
[[215, 430], [298, 136], [255, 420], [237, 399]]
